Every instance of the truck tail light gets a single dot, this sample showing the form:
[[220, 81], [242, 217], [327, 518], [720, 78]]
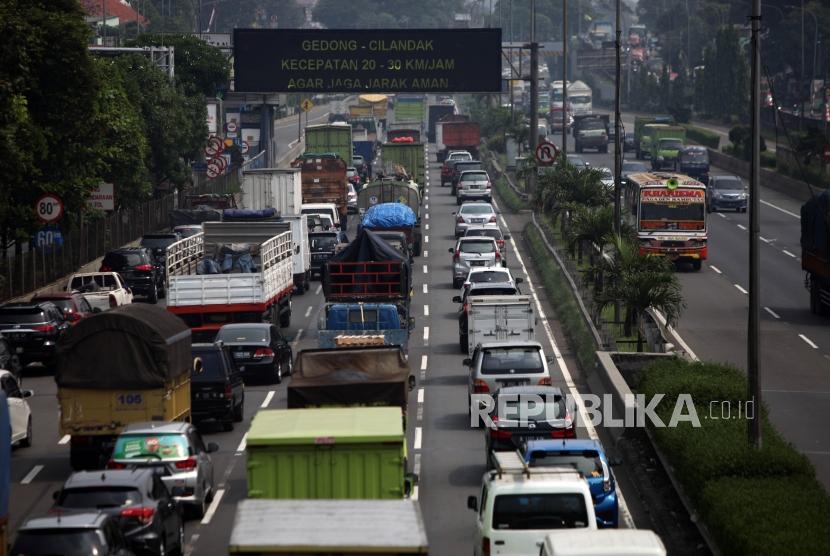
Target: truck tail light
[[105, 268], [263, 352], [566, 432], [143, 267], [189, 463], [480, 387], [144, 515], [111, 464], [489, 185], [485, 546]]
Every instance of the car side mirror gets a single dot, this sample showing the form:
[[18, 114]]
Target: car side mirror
[[412, 323], [506, 236], [212, 447], [472, 503], [453, 212], [467, 362], [450, 250], [456, 299], [411, 382], [27, 393], [551, 359], [519, 280]]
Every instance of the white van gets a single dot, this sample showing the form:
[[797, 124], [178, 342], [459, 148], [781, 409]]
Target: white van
[[603, 542], [327, 209], [520, 505]]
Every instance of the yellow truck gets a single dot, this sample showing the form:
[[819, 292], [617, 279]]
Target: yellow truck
[[128, 365]]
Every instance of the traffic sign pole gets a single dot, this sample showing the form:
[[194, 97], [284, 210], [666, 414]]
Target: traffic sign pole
[[546, 153]]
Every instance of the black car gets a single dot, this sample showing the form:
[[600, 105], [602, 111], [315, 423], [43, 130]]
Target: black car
[[138, 268], [321, 246], [157, 244], [216, 388], [138, 499], [76, 534], [257, 349], [33, 330]]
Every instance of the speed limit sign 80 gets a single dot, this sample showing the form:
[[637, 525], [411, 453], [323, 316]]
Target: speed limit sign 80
[[49, 208]]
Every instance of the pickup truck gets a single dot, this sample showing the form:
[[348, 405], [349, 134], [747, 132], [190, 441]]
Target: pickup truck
[[128, 365], [349, 323], [103, 290]]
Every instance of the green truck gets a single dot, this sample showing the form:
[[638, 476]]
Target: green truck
[[330, 138], [328, 453], [641, 142], [409, 156], [410, 108], [665, 142]]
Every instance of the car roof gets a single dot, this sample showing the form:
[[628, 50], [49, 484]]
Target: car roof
[[54, 295], [73, 520], [477, 269], [485, 229], [154, 427], [128, 250], [28, 305], [489, 285], [161, 235], [136, 477]]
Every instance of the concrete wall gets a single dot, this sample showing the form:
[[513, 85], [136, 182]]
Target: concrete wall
[[796, 189]]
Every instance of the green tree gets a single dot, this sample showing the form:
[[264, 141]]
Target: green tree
[[283, 14], [166, 16], [375, 14]]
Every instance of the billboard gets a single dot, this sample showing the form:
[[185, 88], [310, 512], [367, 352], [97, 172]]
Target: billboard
[[359, 61]]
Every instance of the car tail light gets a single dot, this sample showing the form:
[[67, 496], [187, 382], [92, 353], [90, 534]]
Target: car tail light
[[263, 352], [189, 463], [480, 387], [489, 185], [485, 546], [111, 464], [143, 267], [144, 515], [460, 219], [544, 381], [228, 391], [497, 434], [566, 432], [500, 243], [493, 219], [105, 268], [498, 256], [457, 254], [43, 328]]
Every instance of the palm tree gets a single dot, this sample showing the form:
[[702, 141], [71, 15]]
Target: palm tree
[[566, 188], [594, 225]]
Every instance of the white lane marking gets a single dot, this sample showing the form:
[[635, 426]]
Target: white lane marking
[[426, 197], [426, 310], [788, 253], [426, 289], [427, 227], [426, 253], [414, 495], [716, 269], [722, 215], [771, 312], [213, 506], [423, 362], [765, 240], [193, 538], [426, 216], [319, 289], [741, 226], [426, 269], [30, 476], [740, 289], [785, 211], [242, 444], [65, 439], [420, 395], [426, 333], [808, 341], [426, 206], [416, 445], [297, 338], [268, 397], [308, 312], [426, 239]]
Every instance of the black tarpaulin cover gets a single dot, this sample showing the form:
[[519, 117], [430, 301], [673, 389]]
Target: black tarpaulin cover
[[349, 376], [133, 346], [368, 247]]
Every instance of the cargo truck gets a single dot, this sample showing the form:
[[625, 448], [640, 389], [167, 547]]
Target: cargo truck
[[328, 528], [349, 324], [436, 112], [580, 99], [330, 138], [460, 136], [231, 272], [642, 147], [404, 130], [394, 217], [378, 103], [665, 142], [815, 251], [390, 190], [408, 155], [272, 188], [324, 180], [327, 453], [410, 108], [127, 365], [441, 151], [496, 318]]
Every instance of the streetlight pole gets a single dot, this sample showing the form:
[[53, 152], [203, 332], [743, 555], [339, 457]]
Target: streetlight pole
[[754, 330], [564, 77], [534, 93], [803, 72], [617, 125]]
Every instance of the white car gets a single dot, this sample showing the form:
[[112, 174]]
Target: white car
[[493, 275], [474, 214], [103, 290], [607, 178], [19, 411]]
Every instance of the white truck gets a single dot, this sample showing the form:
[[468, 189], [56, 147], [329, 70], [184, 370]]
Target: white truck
[[231, 272], [580, 99], [277, 188], [103, 290], [495, 318], [302, 250]]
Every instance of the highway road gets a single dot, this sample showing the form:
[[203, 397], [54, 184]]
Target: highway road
[[795, 344]]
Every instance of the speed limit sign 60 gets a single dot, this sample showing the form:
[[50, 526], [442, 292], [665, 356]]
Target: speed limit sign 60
[[49, 208]]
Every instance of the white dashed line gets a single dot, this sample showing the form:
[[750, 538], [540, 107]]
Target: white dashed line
[[416, 444], [722, 215], [771, 312], [426, 289], [426, 269], [765, 240], [268, 397], [308, 312], [426, 310], [213, 506], [716, 269], [423, 362], [785, 211], [426, 227], [740, 289], [741, 226], [414, 495], [30, 476], [426, 333], [808, 341], [426, 253], [426, 239], [420, 395], [426, 206], [297, 338], [242, 444], [788, 253], [65, 439], [426, 216], [318, 290]]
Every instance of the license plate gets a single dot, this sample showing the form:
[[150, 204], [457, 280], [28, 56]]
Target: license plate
[[18, 350], [476, 220], [241, 354], [509, 383], [477, 263]]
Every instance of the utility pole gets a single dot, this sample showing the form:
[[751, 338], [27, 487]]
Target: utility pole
[[564, 77], [803, 71], [534, 93], [103, 23], [753, 344], [618, 126]]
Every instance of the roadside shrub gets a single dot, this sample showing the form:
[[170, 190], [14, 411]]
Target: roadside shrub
[[767, 516], [496, 143], [704, 381], [702, 136], [768, 159], [508, 196]]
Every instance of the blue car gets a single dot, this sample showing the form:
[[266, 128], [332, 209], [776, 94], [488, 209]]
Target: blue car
[[589, 459]]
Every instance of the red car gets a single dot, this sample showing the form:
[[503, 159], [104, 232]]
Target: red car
[[74, 305]]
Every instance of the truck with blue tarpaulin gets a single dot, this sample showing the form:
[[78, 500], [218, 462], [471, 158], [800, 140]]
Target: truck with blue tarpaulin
[[394, 217]]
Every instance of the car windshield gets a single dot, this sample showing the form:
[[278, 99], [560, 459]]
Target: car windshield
[[694, 156], [474, 176], [519, 360], [605, 174], [558, 96], [323, 243], [477, 246], [252, 335], [64, 541], [212, 366], [99, 497], [461, 156], [672, 144], [103, 281], [539, 511], [592, 124], [587, 463], [153, 242], [489, 276], [670, 213], [495, 233], [727, 184], [150, 446], [350, 173], [11, 315], [476, 209], [467, 166], [494, 291], [123, 260], [63, 304], [189, 231]]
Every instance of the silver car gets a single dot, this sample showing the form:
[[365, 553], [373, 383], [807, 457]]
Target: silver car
[[469, 252], [494, 365], [178, 446], [474, 184], [474, 214]]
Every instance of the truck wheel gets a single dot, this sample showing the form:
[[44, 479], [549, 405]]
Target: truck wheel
[[285, 319], [239, 412], [462, 342], [277, 378], [307, 281], [154, 295], [227, 424], [417, 249], [27, 442], [697, 264]]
